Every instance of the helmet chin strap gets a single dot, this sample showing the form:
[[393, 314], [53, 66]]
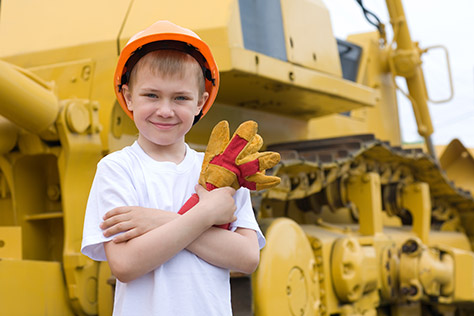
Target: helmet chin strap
[[197, 117]]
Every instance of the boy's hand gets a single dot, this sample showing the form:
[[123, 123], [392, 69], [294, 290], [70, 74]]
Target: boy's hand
[[132, 221], [218, 204]]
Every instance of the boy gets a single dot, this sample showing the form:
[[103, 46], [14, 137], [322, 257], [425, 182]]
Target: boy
[[165, 263]]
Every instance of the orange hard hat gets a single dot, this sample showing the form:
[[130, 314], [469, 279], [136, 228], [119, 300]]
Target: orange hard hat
[[166, 35]]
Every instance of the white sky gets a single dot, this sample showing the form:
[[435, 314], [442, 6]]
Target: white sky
[[431, 22]]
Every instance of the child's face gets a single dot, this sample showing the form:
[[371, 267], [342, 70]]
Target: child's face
[[163, 107]]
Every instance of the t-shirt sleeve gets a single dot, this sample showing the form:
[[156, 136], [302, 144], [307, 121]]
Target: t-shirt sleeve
[[245, 215], [112, 187]]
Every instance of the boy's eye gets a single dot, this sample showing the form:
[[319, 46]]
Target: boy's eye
[[151, 95], [182, 98]]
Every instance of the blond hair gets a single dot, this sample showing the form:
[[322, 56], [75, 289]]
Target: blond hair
[[169, 63]]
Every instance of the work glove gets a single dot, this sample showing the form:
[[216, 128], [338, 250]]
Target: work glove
[[236, 162]]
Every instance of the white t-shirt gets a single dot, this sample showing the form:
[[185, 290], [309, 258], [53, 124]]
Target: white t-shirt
[[185, 284]]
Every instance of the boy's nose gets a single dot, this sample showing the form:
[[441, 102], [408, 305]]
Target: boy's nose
[[164, 109]]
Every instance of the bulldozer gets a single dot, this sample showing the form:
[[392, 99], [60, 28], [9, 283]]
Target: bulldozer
[[359, 225]]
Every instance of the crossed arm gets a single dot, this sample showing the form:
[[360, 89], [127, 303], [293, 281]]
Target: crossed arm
[[151, 237]]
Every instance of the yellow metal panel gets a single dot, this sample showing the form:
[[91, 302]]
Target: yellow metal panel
[[463, 275], [276, 128], [276, 86], [305, 45], [10, 242], [70, 78], [458, 163], [32, 288], [29, 26], [207, 15], [456, 240]]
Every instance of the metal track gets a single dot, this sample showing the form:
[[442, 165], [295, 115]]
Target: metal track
[[308, 167]]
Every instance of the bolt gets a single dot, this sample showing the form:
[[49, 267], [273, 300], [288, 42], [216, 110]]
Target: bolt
[[291, 76], [404, 290], [319, 260], [410, 247], [53, 192], [322, 293], [86, 72], [413, 290], [410, 291], [316, 244]]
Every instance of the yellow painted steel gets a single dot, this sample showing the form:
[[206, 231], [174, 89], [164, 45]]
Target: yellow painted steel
[[405, 61], [425, 270], [318, 52], [10, 132], [354, 270], [364, 192], [35, 110], [105, 290], [32, 287], [458, 162], [337, 247], [10, 242], [382, 118], [463, 273], [416, 199], [287, 264]]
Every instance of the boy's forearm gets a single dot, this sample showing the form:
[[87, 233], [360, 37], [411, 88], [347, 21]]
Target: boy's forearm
[[136, 257], [221, 247], [236, 251]]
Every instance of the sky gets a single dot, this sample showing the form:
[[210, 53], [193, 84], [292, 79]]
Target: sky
[[431, 22]]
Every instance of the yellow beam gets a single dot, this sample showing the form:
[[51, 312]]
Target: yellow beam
[[416, 199], [406, 62], [26, 100], [365, 192]]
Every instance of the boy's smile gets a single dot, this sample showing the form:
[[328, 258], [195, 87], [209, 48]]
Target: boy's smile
[[164, 108]]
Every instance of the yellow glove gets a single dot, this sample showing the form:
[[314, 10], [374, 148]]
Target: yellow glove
[[237, 162]]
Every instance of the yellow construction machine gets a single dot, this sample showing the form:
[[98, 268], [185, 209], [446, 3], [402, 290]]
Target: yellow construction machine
[[358, 225]]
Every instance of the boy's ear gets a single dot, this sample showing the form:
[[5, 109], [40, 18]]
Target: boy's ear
[[127, 95], [201, 102]]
